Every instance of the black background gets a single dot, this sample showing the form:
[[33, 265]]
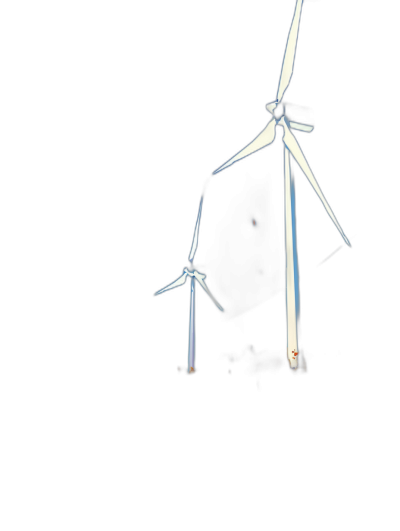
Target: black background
[[163, 101]]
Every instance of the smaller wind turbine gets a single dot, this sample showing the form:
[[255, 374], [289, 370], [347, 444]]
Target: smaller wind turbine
[[200, 277]]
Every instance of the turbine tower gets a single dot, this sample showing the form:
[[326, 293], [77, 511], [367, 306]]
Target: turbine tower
[[291, 147], [200, 277]]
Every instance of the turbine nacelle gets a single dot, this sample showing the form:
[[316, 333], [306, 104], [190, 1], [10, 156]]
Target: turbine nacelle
[[277, 109], [193, 273]]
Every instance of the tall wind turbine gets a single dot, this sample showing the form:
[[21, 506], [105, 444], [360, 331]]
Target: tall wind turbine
[[291, 147], [200, 277]]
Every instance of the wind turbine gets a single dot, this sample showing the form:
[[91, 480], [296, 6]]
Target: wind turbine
[[291, 147], [200, 277]]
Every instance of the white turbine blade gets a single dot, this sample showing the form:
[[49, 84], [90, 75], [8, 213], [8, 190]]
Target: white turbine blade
[[179, 282], [301, 127], [195, 241], [266, 137], [291, 143], [200, 279], [290, 52]]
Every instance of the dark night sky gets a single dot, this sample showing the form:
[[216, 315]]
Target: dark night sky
[[173, 100]]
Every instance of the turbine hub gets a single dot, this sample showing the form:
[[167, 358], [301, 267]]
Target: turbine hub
[[279, 111], [190, 272]]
